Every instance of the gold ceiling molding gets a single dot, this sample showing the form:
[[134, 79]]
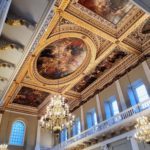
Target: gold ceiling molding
[[89, 60], [64, 4], [101, 33], [87, 26], [21, 108]]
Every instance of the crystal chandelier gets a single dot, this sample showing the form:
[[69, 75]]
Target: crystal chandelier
[[3, 147], [143, 129], [57, 115]]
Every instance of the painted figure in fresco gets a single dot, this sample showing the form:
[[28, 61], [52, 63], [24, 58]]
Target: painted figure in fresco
[[112, 10], [61, 58], [30, 97]]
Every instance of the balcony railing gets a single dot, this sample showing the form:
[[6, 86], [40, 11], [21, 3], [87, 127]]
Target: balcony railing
[[130, 113]]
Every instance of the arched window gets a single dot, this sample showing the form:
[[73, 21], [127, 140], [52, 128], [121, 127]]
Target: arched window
[[17, 133]]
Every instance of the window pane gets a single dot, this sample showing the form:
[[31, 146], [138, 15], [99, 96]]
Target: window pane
[[94, 118], [17, 134], [74, 129], [107, 110], [142, 93], [115, 107], [64, 135], [132, 96], [89, 119], [79, 127]]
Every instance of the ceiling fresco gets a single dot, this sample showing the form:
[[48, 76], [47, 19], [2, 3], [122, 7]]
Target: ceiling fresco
[[97, 37], [61, 58], [111, 10], [30, 97]]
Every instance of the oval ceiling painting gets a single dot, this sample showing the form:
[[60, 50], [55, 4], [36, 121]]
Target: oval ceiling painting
[[61, 58]]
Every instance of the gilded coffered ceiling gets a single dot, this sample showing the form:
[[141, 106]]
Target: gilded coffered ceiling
[[96, 40]]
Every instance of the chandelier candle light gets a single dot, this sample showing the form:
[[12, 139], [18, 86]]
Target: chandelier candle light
[[143, 129], [57, 115]]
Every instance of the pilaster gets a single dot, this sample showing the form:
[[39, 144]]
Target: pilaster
[[120, 94], [37, 146], [99, 108], [82, 119]]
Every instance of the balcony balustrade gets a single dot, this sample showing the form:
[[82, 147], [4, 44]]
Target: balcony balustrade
[[129, 115]]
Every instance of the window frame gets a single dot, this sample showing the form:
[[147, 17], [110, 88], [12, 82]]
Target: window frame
[[21, 145], [75, 128], [91, 112], [108, 104], [132, 89]]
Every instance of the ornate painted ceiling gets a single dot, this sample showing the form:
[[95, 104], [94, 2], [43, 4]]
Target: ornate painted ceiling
[[85, 47]]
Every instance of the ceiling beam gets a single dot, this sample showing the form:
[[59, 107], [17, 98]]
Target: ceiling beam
[[128, 48]]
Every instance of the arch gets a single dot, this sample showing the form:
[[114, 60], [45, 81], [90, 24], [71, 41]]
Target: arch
[[17, 133]]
